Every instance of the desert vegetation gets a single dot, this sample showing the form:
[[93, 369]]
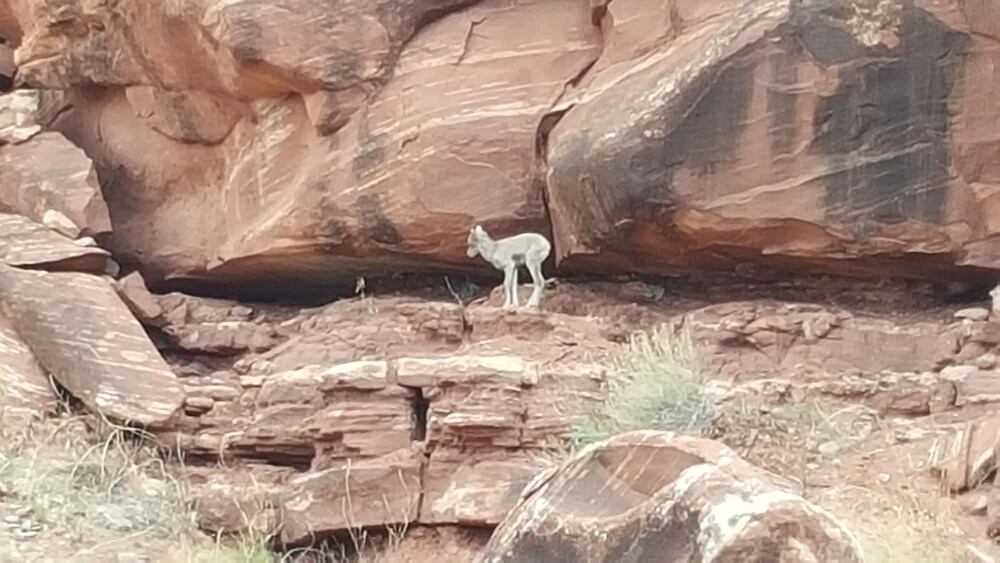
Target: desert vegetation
[[657, 381]]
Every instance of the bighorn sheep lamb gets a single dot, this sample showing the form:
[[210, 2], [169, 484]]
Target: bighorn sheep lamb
[[508, 254]]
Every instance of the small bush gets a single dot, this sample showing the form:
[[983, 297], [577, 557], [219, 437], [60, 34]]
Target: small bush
[[654, 383]]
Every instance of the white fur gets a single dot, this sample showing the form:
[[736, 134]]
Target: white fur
[[508, 254]]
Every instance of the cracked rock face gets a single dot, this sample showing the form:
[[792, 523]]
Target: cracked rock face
[[813, 133], [826, 135], [657, 496]]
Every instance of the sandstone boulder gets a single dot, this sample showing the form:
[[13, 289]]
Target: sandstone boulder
[[966, 458], [653, 496], [17, 115], [86, 339], [378, 492], [25, 243], [343, 175], [715, 133], [703, 136], [136, 296], [49, 173], [25, 391]]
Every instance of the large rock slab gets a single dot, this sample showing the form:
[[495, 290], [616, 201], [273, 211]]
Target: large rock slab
[[49, 173], [478, 487], [770, 340], [25, 243], [813, 134], [655, 496], [702, 136], [25, 391], [86, 338], [354, 176], [244, 48], [966, 458], [376, 492], [470, 421]]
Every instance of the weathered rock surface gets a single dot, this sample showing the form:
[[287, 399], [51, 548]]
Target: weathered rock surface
[[17, 116], [85, 338], [758, 147], [654, 496], [414, 416], [25, 392], [49, 173], [24, 243], [315, 153], [707, 135], [346, 172], [968, 457], [468, 398]]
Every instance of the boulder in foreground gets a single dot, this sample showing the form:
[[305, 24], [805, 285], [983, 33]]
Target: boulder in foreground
[[657, 496], [86, 339]]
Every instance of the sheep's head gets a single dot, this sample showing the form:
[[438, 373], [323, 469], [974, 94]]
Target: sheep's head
[[473, 242]]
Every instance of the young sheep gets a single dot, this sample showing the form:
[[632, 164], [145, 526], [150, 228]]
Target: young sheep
[[508, 254]]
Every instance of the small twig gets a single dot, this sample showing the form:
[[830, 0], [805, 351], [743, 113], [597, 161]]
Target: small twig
[[454, 293]]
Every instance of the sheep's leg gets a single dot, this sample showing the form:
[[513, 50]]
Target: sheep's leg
[[538, 283], [513, 287], [509, 273]]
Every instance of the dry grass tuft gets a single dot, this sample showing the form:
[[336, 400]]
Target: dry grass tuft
[[895, 521], [654, 383], [75, 493], [118, 483], [789, 438], [897, 527]]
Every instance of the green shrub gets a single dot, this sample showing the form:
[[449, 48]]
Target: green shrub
[[656, 383]]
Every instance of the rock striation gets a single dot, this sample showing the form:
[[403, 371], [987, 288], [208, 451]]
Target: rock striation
[[795, 135], [654, 496]]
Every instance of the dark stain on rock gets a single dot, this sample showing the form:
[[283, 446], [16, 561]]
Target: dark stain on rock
[[782, 99], [711, 132], [374, 221], [647, 539], [605, 189], [330, 224], [885, 132], [180, 106], [371, 150], [328, 220], [551, 548], [824, 33], [370, 153], [246, 35], [344, 69]]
